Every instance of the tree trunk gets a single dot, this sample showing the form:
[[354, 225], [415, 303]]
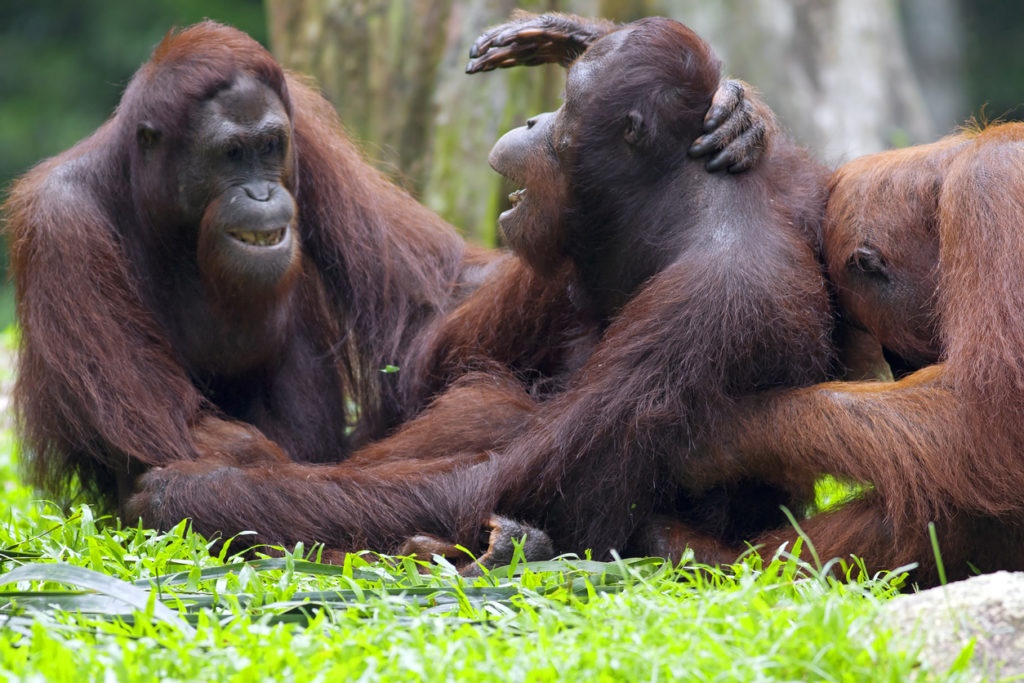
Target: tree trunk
[[836, 72]]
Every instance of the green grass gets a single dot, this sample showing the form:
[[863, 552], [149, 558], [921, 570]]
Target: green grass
[[92, 601]]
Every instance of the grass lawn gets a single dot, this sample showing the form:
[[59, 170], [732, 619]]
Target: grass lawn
[[84, 599]]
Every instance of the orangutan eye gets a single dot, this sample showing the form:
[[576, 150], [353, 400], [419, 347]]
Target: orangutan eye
[[233, 152], [270, 146]]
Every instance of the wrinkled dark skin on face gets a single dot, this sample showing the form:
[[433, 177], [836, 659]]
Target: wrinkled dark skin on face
[[234, 186]]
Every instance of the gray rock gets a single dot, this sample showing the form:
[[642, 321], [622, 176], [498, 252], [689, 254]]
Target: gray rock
[[989, 608]]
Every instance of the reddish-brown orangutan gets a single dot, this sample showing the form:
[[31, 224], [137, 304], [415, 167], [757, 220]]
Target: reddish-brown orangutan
[[663, 295], [216, 277], [216, 273], [923, 246]]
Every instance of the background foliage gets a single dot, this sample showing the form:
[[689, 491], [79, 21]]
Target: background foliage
[[65, 63]]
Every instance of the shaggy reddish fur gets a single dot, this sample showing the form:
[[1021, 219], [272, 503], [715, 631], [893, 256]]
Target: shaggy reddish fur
[[674, 294], [942, 444], [104, 391]]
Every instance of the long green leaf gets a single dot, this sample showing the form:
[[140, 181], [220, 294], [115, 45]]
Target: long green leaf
[[269, 564], [101, 583]]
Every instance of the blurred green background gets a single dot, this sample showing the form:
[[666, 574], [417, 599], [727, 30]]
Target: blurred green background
[[63, 65]]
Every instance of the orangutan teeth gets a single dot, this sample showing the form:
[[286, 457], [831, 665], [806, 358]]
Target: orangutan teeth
[[259, 238], [516, 196]]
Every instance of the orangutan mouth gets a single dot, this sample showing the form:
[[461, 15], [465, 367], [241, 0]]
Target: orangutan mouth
[[259, 238]]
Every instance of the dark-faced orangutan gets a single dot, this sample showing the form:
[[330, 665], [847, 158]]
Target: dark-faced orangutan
[[706, 288], [664, 294], [216, 273]]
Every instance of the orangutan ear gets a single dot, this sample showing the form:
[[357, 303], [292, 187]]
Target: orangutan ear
[[868, 260], [147, 135], [636, 127]]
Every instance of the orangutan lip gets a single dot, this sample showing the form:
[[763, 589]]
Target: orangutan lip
[[259, 238], [516, 197]]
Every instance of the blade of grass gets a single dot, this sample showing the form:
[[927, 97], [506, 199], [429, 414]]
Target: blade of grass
[[269, 564], [100, 583]]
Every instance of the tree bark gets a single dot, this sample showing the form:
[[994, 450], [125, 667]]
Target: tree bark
[[836, 72]]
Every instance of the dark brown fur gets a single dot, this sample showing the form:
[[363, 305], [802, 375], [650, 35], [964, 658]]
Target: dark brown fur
[[578, 393], [708, 286]]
